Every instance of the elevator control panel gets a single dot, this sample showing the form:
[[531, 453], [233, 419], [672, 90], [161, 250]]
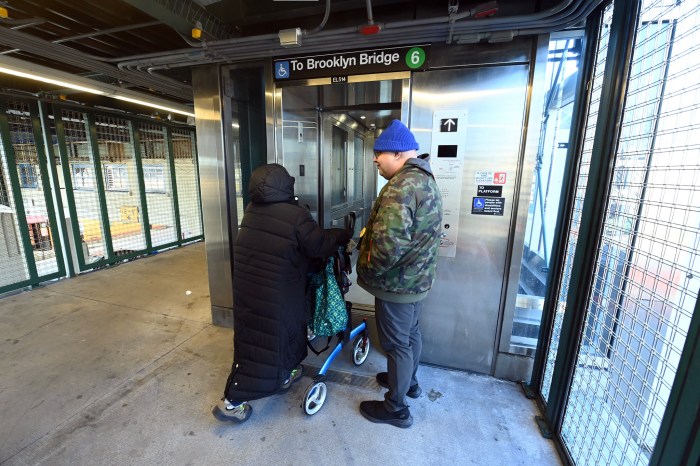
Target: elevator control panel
[[448, 145]]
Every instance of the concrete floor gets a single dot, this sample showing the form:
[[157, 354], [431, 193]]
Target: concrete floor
[[122, 366]]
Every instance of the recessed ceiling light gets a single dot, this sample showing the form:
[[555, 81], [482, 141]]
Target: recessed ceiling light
[[362, 117]]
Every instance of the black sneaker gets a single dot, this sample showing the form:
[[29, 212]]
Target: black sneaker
[[414, 391], [376, 412]]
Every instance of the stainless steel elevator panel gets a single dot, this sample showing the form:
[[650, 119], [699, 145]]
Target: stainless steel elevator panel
[[212, 171], [297, 130], [461, 314]]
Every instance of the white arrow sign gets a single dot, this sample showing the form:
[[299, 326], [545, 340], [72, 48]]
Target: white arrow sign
[[449, 122]]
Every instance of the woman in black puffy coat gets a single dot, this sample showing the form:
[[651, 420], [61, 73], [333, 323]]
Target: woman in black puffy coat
[[271, 258]]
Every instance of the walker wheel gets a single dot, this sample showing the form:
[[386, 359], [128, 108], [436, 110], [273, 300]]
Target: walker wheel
[[360, 350], [314, 397]]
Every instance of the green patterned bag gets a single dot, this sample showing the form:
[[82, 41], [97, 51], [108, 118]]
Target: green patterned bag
[[330, 313]]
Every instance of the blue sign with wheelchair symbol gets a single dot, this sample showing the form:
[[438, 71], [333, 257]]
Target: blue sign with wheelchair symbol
[[282, 70], [488, 205]]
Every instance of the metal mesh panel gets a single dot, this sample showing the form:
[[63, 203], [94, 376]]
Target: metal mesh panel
[[582, 182], [187, 180], [13, 263], [81, 168], [647, 273], [122, 193], [155, 159], [29, 170]]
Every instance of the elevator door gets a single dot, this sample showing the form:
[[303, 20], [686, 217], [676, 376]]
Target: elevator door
[[461, 314], [325, 135], [342, 139]]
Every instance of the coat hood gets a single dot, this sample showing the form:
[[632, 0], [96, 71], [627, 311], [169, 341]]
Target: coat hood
[[422, 162], [271, 183]]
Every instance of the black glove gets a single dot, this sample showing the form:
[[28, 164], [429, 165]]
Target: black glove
[[342, 236]]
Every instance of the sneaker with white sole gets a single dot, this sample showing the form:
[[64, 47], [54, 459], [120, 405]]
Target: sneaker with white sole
[[227, 412]]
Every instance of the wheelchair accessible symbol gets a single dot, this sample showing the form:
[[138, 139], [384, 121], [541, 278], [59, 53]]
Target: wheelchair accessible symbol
[[479, 203], [282, 70]]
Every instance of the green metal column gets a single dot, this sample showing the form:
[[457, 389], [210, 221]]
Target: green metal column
[[100, 185], [17, 193], [612, 100], [195, 158], [678, 443], [62, 146], [173, 181], [59, 221], [136, 140], [44, 170]]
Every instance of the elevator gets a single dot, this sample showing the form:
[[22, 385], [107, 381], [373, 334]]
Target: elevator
[[325, 134], [469, 108]]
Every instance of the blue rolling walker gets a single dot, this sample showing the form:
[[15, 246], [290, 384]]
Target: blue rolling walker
[[317, 392]]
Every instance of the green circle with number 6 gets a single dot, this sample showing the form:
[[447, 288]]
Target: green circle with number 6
[[415, 58]]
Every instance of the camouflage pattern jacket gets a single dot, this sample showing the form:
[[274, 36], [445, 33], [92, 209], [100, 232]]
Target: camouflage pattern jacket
[[399, 248]]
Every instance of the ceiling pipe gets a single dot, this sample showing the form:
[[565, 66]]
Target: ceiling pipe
[[482, 10], [488, 23], [22, 23], [370, 18], [320, 27], [464, 32], [554, 18], [102, 32], [28, 70], [196, 48], [370, 28], [293, 37], [92, 34], [560, 16], [32, 44]]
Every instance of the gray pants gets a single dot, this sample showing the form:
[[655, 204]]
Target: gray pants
[[399, 335]]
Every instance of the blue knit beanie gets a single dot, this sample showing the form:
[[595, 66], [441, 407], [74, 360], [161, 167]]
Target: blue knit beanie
[[396, 138]]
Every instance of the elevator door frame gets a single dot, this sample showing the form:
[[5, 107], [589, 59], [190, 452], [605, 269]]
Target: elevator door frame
[[326, 216]]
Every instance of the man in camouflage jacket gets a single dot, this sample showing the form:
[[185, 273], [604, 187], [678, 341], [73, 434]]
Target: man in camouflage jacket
[[397, 257]]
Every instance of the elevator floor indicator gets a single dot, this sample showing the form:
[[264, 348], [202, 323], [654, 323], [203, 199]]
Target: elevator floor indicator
[[448, 125]]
